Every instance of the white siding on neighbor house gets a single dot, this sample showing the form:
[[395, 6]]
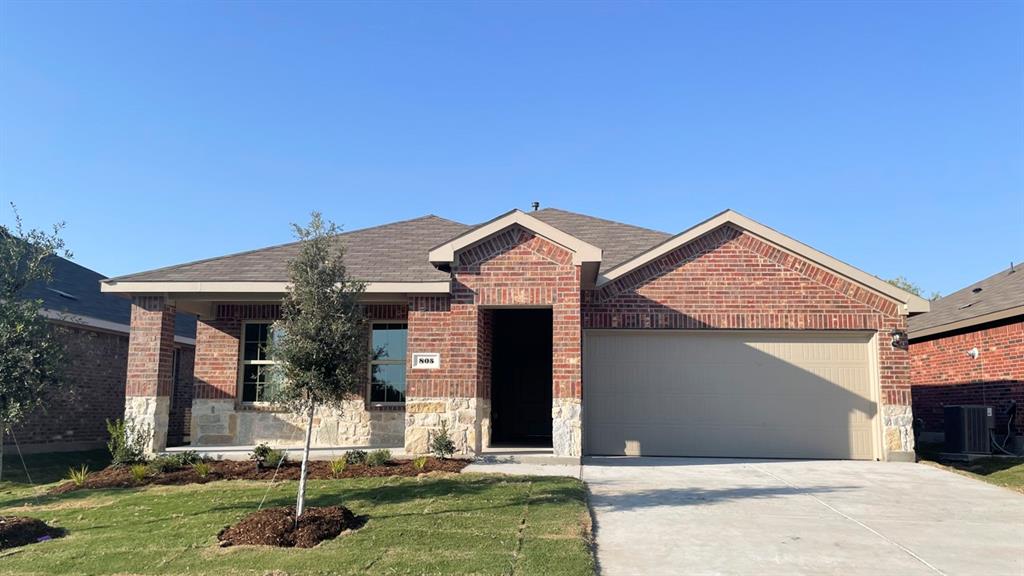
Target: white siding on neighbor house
[[796, 394]]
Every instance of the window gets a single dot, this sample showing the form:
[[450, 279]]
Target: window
[[256, 363], [387, 363]]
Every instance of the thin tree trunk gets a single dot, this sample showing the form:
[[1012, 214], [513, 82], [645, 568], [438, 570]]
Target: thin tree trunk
[[3, 435], [300, 502]]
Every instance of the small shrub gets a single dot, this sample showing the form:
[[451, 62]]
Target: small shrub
[[162, 464], [186, 458], [275, 458], [202, 469], [78, 476], [127, 444], [139, 472], [441, 444], [338, 467], [353, 457], [378, 458], [420, 463], [259, 454]]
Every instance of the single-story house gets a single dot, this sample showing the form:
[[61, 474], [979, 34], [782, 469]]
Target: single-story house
[[95, 335], [557, 329], [969, 349]]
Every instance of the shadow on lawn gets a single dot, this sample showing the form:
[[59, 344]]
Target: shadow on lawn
[[545, 490]]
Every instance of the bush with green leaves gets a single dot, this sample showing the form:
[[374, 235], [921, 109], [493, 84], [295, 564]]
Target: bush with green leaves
[[276, 458], [420, 463], [79, 476], [201, 468], [441, 444], [139, 472], [378, 458], [354, 457], [338, 467], [162, 464], [186, 458], [127, 443], [259, 454]]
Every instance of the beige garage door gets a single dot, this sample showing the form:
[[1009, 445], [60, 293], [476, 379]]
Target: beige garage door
[[739, 394]]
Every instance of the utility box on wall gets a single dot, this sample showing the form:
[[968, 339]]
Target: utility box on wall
[[968, 429]]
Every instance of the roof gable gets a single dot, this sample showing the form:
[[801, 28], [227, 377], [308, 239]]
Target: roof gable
[[583, 252], [912, 304]]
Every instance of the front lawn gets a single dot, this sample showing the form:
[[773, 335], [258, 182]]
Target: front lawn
[[1001, 471], [442, 524], [1008, 472]]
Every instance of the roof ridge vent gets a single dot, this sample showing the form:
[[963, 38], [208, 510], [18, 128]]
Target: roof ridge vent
[[976, 290]]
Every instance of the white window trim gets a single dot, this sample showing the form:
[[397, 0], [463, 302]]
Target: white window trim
[[242, 363], [371, 363]]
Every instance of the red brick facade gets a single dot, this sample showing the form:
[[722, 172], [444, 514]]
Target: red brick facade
[[726, 279], [75, 415], [151, 347], [218, 348], [730, 279], [512, 268], [942, 373]]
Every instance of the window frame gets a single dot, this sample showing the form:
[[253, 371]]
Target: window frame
[[390, 362], [242, 363]]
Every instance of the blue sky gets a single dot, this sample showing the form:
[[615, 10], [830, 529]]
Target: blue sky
[[890, 135]]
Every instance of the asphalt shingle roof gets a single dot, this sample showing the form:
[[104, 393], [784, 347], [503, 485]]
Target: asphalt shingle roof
[[397, 252], [75, 290], [619, 241], [996, 293]]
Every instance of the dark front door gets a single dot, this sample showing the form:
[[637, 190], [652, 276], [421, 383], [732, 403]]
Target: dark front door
[[521, 377]]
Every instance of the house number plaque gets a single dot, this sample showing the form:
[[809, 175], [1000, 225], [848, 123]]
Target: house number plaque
[[426, 361]]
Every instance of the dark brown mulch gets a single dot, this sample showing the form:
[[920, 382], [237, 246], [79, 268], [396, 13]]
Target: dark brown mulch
[[21, 530], [276, 527], [121, 476]]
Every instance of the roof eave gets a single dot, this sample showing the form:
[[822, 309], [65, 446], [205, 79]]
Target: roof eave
[[250, 288], [967, 322]]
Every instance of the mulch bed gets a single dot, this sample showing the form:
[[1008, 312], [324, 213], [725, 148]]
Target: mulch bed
[[22, 530], [276, 527], [121, 476]]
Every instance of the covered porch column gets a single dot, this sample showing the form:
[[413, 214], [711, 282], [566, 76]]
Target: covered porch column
[[149, 382]]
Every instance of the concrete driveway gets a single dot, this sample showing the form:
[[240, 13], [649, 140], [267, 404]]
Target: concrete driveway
[[718, 516]]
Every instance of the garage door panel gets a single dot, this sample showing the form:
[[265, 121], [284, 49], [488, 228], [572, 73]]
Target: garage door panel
[[741, 394]]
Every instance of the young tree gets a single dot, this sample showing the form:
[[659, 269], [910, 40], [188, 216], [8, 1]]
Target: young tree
[[320, 340], [31, 352]]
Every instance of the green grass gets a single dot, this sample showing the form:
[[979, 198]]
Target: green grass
[[48, 467], [1008, 472], [465, 524]]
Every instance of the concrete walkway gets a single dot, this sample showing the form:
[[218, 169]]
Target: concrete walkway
[[717, 516]]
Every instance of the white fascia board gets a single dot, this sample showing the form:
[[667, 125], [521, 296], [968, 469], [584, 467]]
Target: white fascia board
[[441, 287], [581, 251], [912, 304], [99, 324]]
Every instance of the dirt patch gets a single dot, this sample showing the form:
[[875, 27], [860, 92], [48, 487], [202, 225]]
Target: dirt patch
[[121, 477], [22, 530], [276, 527]]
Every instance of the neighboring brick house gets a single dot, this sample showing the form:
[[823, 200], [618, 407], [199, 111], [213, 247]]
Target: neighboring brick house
[[96, 328], [970, 350], [557, 329]]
